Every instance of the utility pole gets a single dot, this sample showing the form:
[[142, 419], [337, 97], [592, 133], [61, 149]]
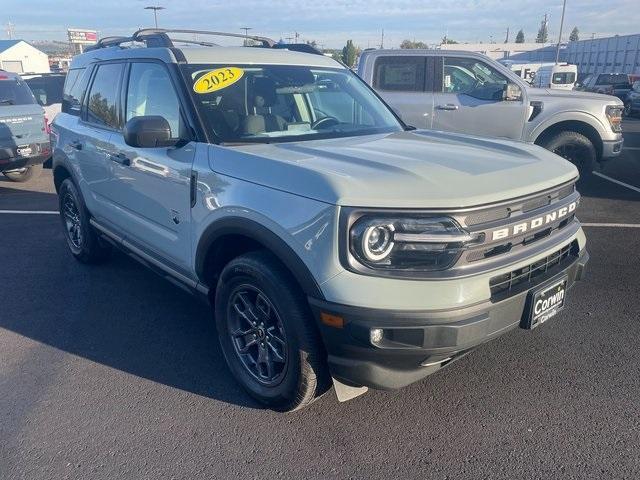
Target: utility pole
[[155, 9], [246, 35], [564, 5], [10, 30], [506, 40], [297, 35], [382, 40]]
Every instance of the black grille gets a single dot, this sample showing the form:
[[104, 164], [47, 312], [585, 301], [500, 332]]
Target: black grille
[[516, 281]]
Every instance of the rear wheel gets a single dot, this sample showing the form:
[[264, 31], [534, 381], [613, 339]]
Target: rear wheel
[[24, 174], [574, 147], [83, 242], [267, 334]]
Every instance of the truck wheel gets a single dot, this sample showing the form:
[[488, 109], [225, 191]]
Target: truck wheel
[[267, 335], [576, 148], [24, 174], [84, 243]]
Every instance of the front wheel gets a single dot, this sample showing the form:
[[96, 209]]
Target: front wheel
[[576, 148], [267, 334], [82, 239], [24, 174]]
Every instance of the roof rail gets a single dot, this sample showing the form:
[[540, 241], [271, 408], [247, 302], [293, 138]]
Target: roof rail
[[158, 37]]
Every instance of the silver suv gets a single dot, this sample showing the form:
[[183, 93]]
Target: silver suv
[[335, 244], [466, 92]]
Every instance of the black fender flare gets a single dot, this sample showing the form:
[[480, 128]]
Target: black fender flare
[[261, 234]]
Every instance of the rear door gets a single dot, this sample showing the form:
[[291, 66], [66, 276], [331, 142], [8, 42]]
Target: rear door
[[468, 98], [22, 128], [403, 81], [150, 187]]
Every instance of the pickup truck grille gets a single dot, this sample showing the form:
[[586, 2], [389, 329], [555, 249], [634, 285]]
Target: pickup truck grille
[[507, 284]]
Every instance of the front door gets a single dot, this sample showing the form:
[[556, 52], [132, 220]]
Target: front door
[[468, 98], [152, 185]]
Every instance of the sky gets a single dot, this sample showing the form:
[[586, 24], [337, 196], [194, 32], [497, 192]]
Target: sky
[[329, 22]]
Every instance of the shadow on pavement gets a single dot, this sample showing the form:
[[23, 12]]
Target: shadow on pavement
[[119, 314]]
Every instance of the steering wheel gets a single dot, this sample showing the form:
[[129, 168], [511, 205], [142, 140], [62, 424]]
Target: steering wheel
[[328, 120]]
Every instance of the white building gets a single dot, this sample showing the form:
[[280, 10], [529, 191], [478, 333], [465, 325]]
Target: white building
[[619, 54], [499, 51], [18, 56]]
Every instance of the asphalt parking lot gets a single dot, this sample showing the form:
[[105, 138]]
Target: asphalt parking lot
[[111, 372]]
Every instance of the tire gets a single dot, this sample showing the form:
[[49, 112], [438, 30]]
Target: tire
[[83, 242], [24, 175], [256, 289], [574, 147]]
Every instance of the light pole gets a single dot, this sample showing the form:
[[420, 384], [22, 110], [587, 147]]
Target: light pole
[[246, 35], [564, 5], [155, 12]]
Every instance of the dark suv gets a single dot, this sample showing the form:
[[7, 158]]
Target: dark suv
[[24, 137], [618, 84]]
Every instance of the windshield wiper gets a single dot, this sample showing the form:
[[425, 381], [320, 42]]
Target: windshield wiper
[[6, 101]]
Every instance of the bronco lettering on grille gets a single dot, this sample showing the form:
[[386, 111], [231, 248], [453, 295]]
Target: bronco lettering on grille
[[534, 223]]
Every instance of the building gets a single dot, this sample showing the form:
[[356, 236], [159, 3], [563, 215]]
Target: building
[[19, 56], [522, 51], [619, 54]]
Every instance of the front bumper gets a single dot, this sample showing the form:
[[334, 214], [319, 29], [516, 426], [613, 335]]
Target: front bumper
[[418, 343], [611, 149], [10, 159]]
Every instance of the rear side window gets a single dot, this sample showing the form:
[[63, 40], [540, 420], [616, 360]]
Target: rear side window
[[74, 87], [47, 89], [614, 79], [102, 105], [400, 74], [13, 91], [564, 78]]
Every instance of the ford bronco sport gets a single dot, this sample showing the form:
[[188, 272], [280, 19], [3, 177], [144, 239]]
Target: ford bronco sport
[[467, 92], [335, 244], [24, 137]]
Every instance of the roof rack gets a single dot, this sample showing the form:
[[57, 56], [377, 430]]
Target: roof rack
[[158, 37]]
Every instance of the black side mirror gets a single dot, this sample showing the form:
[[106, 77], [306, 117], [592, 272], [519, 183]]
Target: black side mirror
[[148, 132]]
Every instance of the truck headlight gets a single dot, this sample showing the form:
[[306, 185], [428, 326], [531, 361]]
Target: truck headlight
[[407, 243], [614, 115]]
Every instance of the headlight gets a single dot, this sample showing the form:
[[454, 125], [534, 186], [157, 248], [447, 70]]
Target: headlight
[[614, 115], [407, 243]]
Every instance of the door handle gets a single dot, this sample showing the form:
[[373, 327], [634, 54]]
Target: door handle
[[76, 145], [448, 106], [120, 158]]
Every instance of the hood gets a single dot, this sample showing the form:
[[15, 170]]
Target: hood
[[420, 169], [579, 96]]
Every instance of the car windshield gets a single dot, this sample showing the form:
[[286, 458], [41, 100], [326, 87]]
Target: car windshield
[[47, 89], [276, 103], [14, 92], [564, 78], [615, 79]]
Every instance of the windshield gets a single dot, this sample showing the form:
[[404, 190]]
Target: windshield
[[14, 92], [564, 78], [615, 79], [47, 89], [274, 103]]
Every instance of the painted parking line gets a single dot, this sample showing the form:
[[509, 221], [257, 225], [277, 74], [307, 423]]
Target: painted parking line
[[631, 148], [612, 225], [30, 212], [631, 187]]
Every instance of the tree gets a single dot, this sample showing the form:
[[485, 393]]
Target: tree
[[543, 32], [575, 35], [448, 41], [520, 36], [350, 53], [408, 44]]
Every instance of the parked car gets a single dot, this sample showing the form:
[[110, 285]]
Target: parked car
[[618, 84], [561, 76], [470, 93], [47, 88], [24, 136], [335, 243], [632, 100]]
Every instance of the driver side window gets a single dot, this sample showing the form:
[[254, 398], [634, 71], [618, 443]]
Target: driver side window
[[471, 77]]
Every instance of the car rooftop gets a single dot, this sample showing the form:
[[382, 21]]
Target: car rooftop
[[158, 45]]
